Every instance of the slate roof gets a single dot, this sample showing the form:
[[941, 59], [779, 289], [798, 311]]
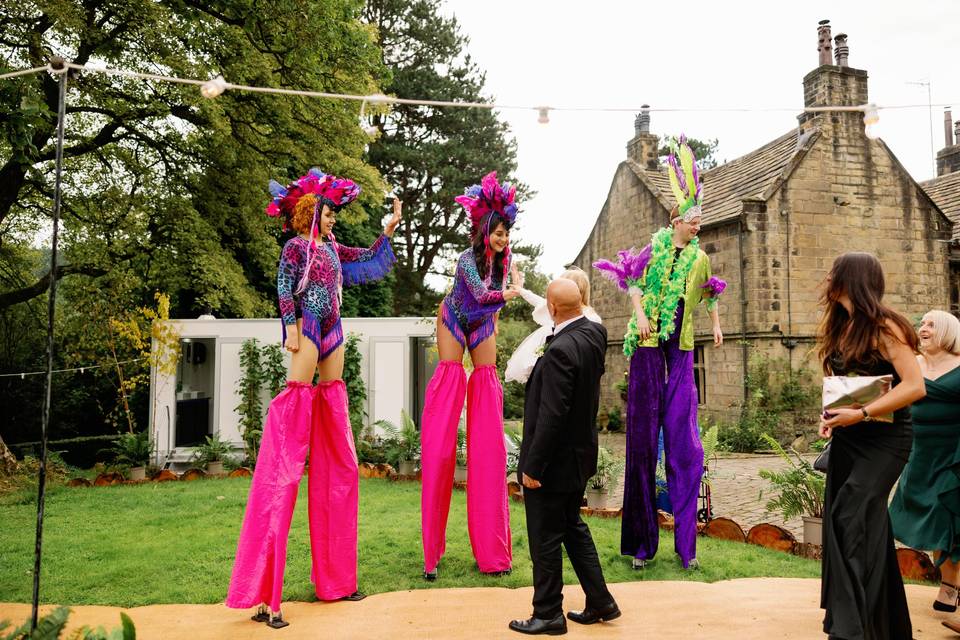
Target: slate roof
[[945, 193], [758, 174]]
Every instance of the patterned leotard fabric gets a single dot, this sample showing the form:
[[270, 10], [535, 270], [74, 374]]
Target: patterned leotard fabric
[[467, 311], [332, 266]]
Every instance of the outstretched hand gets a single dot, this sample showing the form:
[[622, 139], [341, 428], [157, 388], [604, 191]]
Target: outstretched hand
[[395, 219], [515, 276]]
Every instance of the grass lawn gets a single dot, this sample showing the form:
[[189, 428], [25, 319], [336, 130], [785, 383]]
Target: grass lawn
[[174, 542]]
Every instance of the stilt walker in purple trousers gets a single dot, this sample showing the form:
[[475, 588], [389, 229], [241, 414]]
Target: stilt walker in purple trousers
[[666, 281]]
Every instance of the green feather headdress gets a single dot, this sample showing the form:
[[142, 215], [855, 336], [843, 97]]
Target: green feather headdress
[[685, 179]]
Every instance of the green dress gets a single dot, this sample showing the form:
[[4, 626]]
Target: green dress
[[926, 506]]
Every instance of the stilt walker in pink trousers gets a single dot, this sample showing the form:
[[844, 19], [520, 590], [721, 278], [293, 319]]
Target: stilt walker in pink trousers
[[304, 418], [468, 320]]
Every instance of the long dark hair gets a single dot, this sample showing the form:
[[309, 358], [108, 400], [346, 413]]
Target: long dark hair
[[481, 247], [854, 336]]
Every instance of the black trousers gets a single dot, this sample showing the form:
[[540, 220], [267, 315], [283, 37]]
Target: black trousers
[[554, 519]]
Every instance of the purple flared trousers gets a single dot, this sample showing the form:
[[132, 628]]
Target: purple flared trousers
[[661, 393]]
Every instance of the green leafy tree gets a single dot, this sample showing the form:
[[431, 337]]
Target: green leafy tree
[[429, 154], [163, 189], [356, 388], [250, 408], [704, 150]]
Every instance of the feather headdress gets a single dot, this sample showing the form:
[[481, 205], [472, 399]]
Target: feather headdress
[[484, 198], [489, 195], [685, 179], [322, 189], [328, 189]]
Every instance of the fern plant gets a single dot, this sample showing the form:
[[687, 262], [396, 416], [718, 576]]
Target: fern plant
[[52, 625], [133, 449], [213, 450], [403, 442], [609, 468], [800, 489]]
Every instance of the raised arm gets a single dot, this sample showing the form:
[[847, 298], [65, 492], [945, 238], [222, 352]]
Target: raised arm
[[366, 265]]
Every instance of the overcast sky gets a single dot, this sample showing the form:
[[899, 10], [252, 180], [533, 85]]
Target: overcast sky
[[689, 54]]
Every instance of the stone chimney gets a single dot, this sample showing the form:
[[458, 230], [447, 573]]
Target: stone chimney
[[643, 148], [823, 42], [833, 84], [947, 127], [842, 51], [948, 158]]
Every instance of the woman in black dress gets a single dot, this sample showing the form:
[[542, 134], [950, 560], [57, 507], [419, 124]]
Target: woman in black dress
[[861, 589]]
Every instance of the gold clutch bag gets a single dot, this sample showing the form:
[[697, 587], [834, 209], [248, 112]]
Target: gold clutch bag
[[856, 391]]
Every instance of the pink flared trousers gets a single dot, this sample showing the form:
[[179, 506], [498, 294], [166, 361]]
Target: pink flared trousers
[[488, 516], [300, 418]]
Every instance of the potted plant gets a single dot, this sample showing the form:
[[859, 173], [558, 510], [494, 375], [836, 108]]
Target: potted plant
[[514, 440], [614, 420], [212, 454], [623, 385], [402, 444], [133, 450], [800, 492], [460, 475], [603, 482]]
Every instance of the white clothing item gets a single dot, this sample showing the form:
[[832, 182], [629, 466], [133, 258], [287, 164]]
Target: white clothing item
[[521, 363], [563, 325]]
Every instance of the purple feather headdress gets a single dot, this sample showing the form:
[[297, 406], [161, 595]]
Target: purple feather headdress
[[327, 189], [628, 268], [489, 195], [330, 190]]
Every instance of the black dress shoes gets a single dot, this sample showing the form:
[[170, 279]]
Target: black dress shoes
[[591, 616], [537, 626]]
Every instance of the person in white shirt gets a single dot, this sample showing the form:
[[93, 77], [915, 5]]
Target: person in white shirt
[[526, 354]]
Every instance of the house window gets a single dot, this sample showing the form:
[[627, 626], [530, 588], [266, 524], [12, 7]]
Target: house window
[[700, 374]]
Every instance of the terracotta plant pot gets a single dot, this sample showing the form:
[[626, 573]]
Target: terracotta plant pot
[[460, 474], [812, 530], [138, 473], [407, 467], [597, 498], [215, 468]]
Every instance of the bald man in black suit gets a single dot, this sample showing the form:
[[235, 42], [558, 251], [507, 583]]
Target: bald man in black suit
[[557, 457]]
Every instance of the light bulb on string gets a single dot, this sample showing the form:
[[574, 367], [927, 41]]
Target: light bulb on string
[[368, 129], [871, 121], [213, 88], [544, 117]]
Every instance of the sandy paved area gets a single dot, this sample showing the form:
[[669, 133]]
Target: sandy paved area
[[756, 608]]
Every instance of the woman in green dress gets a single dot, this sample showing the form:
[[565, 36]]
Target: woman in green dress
[[926, 507]]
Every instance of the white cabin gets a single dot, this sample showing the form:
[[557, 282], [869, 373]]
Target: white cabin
[[398, 359]]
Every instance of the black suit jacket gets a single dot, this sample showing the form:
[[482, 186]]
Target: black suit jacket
[[560, 410]]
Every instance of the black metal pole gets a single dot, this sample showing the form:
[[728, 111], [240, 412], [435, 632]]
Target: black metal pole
[[58, 65]]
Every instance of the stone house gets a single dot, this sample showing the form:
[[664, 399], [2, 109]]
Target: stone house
[[774, 220], [944, 190]]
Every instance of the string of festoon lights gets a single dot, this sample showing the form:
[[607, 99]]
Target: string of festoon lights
[[87, 367], [215, 87]]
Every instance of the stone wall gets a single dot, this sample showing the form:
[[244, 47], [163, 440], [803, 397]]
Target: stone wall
[[847, 193]]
